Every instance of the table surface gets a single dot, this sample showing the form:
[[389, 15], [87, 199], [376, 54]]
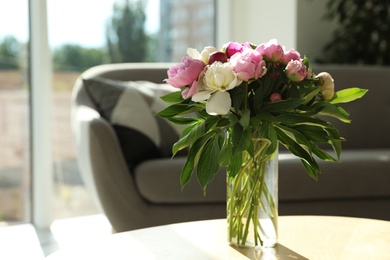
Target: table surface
[[300, 237]]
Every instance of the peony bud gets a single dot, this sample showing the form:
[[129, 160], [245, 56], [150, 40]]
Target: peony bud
[[296, 70], [233, 47], [217, 56], [326, 84], [275, 97], [291, 55], [271, 51]]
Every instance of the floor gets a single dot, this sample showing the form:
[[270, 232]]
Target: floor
[[26, 242]]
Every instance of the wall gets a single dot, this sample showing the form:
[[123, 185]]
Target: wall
[[295, 23], [313, 32], [258, 21]]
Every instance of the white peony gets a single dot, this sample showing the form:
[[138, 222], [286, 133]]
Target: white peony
[[203, 56], [217, 80]]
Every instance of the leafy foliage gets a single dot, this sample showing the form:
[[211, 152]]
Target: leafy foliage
[[362, 35], [294, 122]]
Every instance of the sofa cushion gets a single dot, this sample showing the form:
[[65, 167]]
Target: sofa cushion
[[130, 107], [360, 174], [158, 181]]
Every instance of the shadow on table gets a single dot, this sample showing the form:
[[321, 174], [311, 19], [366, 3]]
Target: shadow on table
[[279, 252]]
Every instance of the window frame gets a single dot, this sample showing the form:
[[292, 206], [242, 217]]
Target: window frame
[[40, 69]]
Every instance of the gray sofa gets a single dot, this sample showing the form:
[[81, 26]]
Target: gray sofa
[[359, 185], [149, 194]]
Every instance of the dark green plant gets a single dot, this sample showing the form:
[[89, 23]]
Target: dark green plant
[[125, 34], [73, 57], [362, 35], [9, 53]]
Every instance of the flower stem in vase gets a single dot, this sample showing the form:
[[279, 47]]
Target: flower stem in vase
[[252, 203]]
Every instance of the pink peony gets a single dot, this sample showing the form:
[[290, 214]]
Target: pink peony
[[271, 51], [188, 92], [234, 47], [185, 73], [291, 55], [248, 64], [296, 70]]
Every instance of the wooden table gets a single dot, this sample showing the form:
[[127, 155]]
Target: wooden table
[[300, 237]]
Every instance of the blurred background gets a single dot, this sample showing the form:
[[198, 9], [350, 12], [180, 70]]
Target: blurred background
[[85, 33], [81, 34]]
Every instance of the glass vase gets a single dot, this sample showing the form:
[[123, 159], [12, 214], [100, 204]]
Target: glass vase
[[252, 200]]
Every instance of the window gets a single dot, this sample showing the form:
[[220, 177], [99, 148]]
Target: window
[[14, 113], [78, 39], [83, 37], [81, 34]]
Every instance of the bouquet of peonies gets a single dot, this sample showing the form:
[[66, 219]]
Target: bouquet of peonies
[[230, 96]]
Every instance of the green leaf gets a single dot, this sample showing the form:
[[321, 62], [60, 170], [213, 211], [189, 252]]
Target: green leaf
[[256, 121], [312, 171], [188, 168], [174, 97], [314, 133], [304, 89], [322, 154], [267, 131], [189, 136], [283, 105], [310, 95], [295, 119], [235, 165], [241, 139], [192, 159], [233, 119], [179, 109], [183, 120], [208, 164], [244, 120], [296, 144], [335, 139], [348, 95], [211, 122], [223, 123], [282, 74], [263, 91], [322, 135], [328, 109], [297, 137], [251, 147], [226, 152], [305, 61], [237, 95]]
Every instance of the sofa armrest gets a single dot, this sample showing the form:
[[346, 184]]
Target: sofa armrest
[[102, 166]]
